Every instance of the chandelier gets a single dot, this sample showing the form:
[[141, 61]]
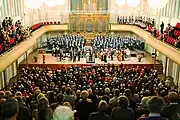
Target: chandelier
[[35, 4]]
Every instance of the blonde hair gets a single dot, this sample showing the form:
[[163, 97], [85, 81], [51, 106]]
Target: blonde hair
[[63, 113]]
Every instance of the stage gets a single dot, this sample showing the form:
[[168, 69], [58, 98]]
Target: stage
[[54, 62]]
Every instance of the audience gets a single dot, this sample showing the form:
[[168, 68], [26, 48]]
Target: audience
[[125, 96], [11, 34]]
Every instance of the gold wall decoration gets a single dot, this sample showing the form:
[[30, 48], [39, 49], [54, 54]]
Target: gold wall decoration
[[89, 23]]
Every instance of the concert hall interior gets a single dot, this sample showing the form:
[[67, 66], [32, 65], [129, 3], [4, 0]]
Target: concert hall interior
[[90, 59]]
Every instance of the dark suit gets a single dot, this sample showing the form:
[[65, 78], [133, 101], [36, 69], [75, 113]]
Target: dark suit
[[171, 112], [99, 116], [84, 109], [119, 113], [141, 111]]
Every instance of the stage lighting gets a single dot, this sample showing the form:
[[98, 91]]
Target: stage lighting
[[157, 4], [133, 3], [33, 4], [121, 2]]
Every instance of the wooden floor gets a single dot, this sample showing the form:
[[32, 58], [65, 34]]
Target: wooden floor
[[54, 61]]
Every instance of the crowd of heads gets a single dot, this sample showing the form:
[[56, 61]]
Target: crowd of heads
[[11, 34], [78, 92], [116, 42]]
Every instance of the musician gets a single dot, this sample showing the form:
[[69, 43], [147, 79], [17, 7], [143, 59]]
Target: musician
[[112, 54], [43, 57], [61, 54], [79, 55], [105, 58], [90, 55], [123, 55], [74, 56]]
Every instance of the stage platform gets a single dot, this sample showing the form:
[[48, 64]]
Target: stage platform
[[53, 62]]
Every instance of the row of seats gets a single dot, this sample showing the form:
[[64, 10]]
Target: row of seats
[[170, 40], [176, 33], [38, 25]]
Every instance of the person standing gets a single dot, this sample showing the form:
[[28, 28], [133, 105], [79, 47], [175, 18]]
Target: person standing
[[162, 27], [43, 57]]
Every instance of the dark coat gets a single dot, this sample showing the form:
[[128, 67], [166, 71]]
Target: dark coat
[[99, 116], [119, 113], [171, 112], [84, 109]]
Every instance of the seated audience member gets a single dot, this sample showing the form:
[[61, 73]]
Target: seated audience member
[[106, 95], [2, 100], [114, 101], [84, 108], [7, 95], [24, 112], [43, 111], [122, 112], [60, 99], [93, 98], [10, 109], [155, 105], [172, 111], [68, 97], [101, 114], [142, 110], [63, 113]]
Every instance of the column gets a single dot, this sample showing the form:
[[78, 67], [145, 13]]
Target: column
[[155, 59], [165, 67], [170, 11], [158, 18], [17, 66], [177, 75], [170, 66], [4, 75], [26, 57], [13, 74]]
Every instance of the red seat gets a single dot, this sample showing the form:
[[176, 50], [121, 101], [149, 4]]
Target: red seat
[[51, 23], [11, 41], [178, 25], [54, 22], [166, 30], [48, 23], [1, 48], [59, 22], [170, 41], [157, 33], [150, 29]]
